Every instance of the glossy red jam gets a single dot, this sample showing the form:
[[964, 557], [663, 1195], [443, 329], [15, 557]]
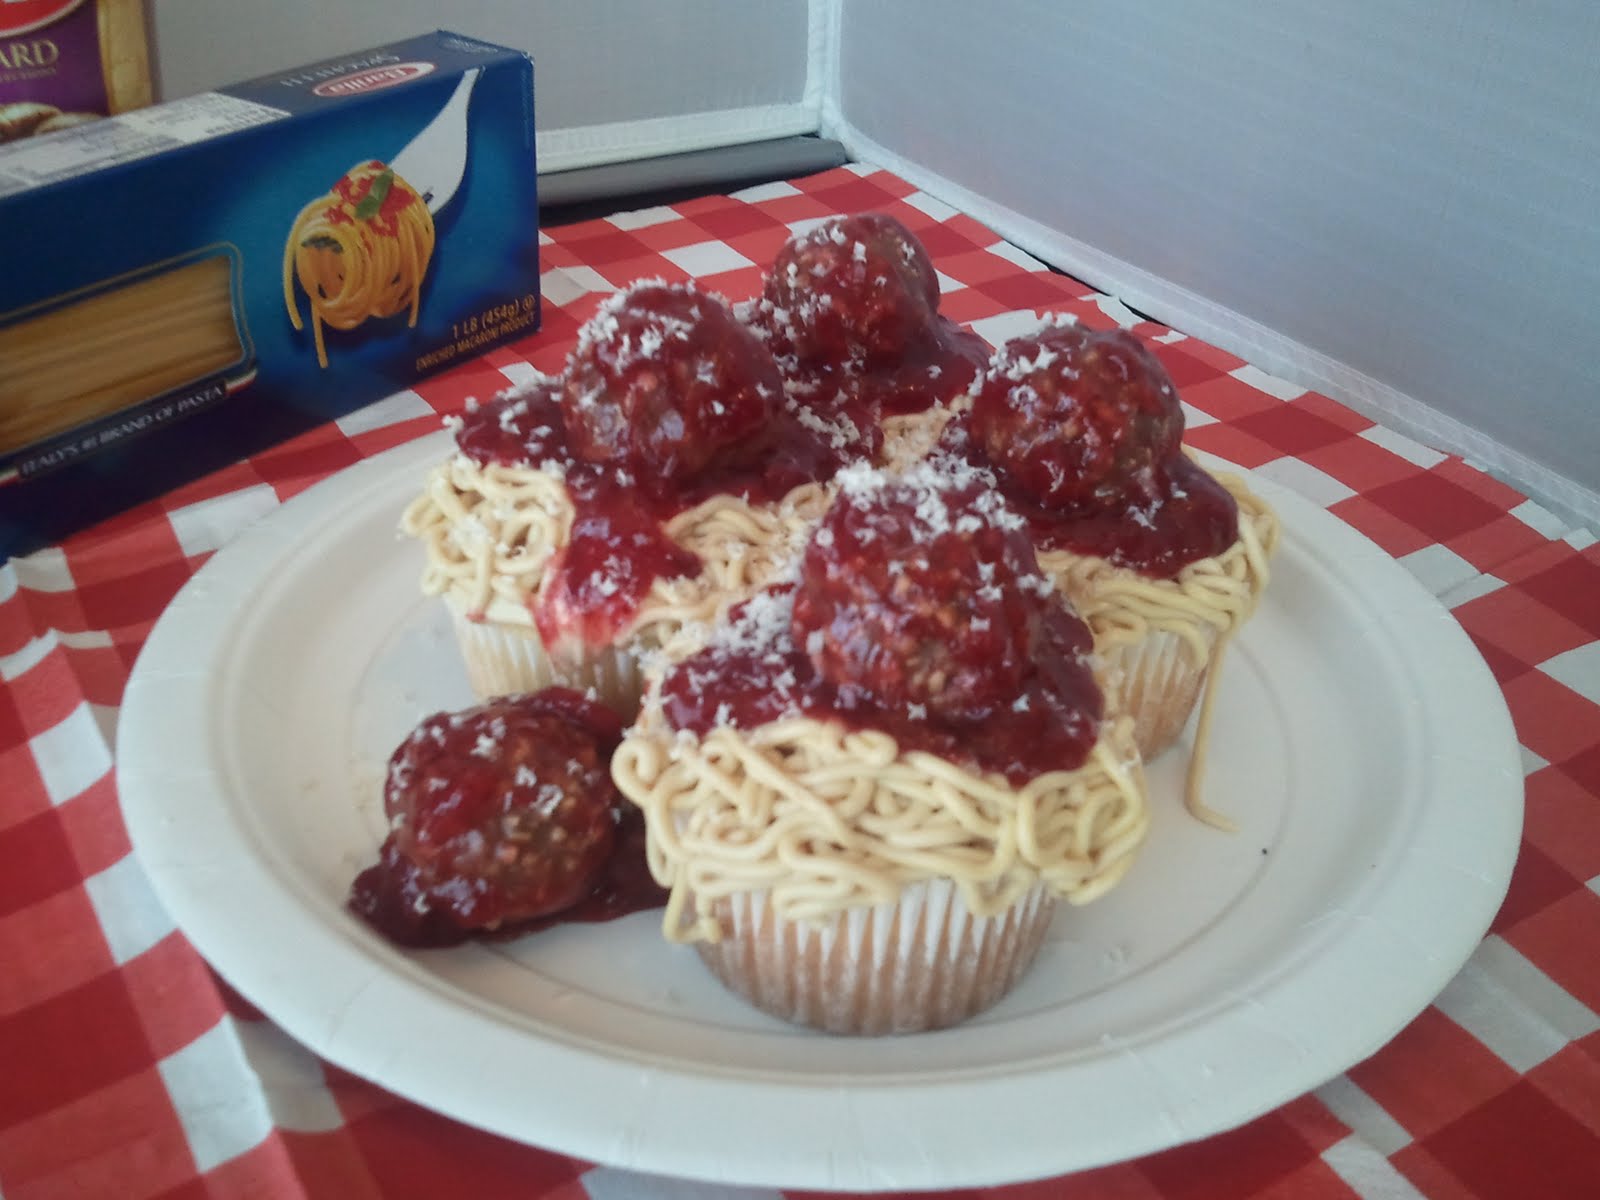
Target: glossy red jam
[[910, 593], [503, 818], [850, 310], [1073, 415], [936, 368], [855, 289], [599, 578], [521, 426], [937, 632], [1083, 430], [1184, 516], [667, 384], [666, 424]]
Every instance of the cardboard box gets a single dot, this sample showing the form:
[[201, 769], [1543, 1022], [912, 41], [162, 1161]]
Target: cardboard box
[[64, 62], [184, 285]]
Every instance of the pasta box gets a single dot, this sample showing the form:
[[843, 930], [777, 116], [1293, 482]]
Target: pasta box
[[186, 284]]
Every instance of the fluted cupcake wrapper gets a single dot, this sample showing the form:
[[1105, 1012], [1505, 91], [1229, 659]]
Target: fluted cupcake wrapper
[[503, 659], [922, 963], [1158, 683]]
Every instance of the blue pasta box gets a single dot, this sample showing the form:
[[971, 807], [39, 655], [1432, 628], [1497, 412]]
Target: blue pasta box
[[184, 285]]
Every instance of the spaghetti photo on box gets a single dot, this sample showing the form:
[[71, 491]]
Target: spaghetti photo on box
[[358, 253]]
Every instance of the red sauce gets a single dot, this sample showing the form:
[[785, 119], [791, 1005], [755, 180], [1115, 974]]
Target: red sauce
[[386, 896], [850, 310], [390, 898], [1083, 431], [618, 548], [1051, 725], [921, 613], [1186, 516], [858, 289], [938, 368], [352, 193], [603, 573], [666, 384], [504, 820], [935, 369], [523, 426], [626, 886]]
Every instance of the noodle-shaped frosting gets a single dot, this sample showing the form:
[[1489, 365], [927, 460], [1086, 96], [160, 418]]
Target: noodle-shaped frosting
[[1122, 606], [1202, 608], [490, 533], [823, 819], [908, 438]]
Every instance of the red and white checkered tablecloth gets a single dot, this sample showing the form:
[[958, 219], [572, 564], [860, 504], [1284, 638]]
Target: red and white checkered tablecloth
[[129, 1070]]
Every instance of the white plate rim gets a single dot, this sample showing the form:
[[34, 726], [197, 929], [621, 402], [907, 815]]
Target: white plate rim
[[198, 848]]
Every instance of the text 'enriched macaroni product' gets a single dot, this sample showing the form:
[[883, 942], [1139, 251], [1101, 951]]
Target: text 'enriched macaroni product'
[[203, 278]]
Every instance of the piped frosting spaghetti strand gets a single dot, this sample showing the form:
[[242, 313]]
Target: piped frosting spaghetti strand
[[824, 819], [491, 531]]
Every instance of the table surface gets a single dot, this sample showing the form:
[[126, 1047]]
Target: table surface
[[128, 1069]]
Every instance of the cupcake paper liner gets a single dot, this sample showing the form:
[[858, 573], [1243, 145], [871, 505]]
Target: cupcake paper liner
[[922, 963], [1157, 682], [503, 659]]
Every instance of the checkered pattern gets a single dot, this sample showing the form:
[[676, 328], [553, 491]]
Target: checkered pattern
[[127, 1069]]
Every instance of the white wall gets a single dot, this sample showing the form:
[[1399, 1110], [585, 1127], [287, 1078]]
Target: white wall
[[614, 79], [1400, 199]]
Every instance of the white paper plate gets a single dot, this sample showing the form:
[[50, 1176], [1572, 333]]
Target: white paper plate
[[1360, 742]]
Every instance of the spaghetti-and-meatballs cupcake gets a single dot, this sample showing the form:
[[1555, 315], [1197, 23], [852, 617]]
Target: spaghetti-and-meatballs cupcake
[[1083, 431], [868, 791], [584, 519]]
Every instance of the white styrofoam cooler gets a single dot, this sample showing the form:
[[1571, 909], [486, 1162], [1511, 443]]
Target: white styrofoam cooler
[[1397, 205]]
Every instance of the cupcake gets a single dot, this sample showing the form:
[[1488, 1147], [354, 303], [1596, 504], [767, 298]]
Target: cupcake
[[1083, 431], [869, 790], [851, 311], [502, 819], [585, 519]]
